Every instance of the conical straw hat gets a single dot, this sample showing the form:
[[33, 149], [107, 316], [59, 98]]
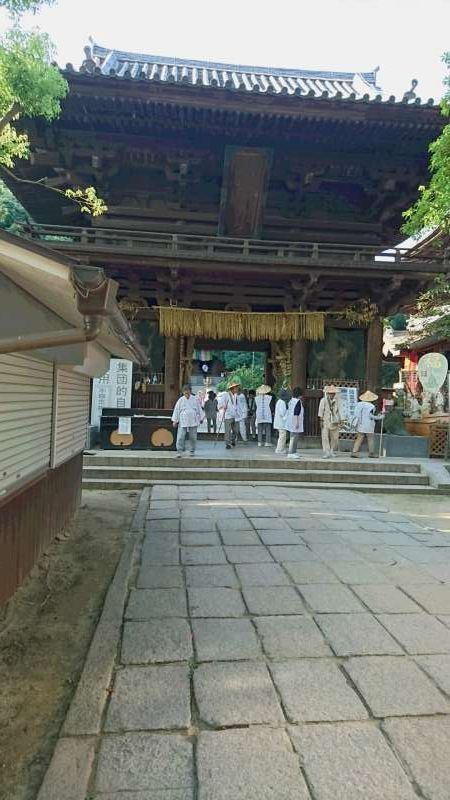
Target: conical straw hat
[[264, 389], [368, 397]]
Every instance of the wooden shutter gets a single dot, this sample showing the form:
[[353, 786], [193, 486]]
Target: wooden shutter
[[26, 397], [71, 414]]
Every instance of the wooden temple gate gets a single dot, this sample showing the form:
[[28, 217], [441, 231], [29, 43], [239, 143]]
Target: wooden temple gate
[[267, 190]]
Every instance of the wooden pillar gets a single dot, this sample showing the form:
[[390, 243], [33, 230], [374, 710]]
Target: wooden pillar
[[374, 355], [299, 363], [172, 371]]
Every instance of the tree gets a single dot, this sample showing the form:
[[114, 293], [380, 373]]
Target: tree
[[248, 377], [17, 7], [32, 86], [12, 213], [433, 309], [432, 209]]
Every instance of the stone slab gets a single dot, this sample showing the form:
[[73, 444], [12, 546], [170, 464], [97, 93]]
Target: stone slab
[[149, 603], [69, 771], [438, 667], [433, 598], [306, 524], [169, 794], [203, 555], [145, 762], [418, 633], [253, 764], [424, 555], [160, 577], [155, 641], [309, 572], [262, 575], [291, 637], [216, 602], [330, 598], [273, 600], [315, 690], [385, 599], [400, 573], [200, 539], [424, 745], [297, 552], [239, 693], [269, 524], [248, 555], [163, 526], [357, 572], [166, 554], [280, 537], [335, 552], [440, 572], [225, 639], [357, 634], [240, 538], [359, 764], [395, 687], [229, 524], [150, 698], [196, 525], [204, 576]]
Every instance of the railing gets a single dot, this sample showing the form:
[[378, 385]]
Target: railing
[[208, 247]]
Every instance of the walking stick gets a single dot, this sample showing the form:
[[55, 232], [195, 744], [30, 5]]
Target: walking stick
[[220, 426], [381, 436]]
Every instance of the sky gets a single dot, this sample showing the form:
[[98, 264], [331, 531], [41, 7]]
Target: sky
[[405, 38]]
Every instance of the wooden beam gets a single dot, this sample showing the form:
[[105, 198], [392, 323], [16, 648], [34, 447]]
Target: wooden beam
[[172, 371], [246, 173], [374, 355], [299, 363]]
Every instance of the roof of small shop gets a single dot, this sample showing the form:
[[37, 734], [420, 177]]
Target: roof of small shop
[[356, 86]]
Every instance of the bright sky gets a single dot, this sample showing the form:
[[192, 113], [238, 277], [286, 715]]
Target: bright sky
[[406, 38]]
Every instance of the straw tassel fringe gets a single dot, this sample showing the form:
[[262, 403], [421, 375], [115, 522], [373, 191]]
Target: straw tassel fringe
[[254, 326]]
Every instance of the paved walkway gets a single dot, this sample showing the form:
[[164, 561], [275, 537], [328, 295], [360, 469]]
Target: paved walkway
[[277, 644]]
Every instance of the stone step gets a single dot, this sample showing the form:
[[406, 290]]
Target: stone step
[[190, 472], [281, 463], [106, 484]]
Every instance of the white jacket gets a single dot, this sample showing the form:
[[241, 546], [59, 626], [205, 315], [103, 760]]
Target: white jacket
[[241, 408], [227, 404], [263, 411], [187, 412], [364, 419], [290, 419], [279, 422]]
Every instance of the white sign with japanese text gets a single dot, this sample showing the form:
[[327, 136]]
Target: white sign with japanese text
[[349, 398], [112, 390]]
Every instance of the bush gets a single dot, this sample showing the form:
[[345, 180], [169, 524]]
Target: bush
[[248, 377]]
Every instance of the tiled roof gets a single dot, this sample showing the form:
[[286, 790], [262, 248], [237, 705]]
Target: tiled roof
[[356, 86]]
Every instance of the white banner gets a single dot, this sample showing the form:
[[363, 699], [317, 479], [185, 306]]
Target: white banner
[[349, 398], [112, 390]]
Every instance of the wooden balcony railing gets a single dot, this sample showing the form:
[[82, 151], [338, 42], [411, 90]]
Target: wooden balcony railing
[[211, 248]]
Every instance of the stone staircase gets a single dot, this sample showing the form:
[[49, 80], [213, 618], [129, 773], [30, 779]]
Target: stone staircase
[[116, 471]]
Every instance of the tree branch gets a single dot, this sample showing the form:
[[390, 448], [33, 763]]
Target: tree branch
[[13, 112]]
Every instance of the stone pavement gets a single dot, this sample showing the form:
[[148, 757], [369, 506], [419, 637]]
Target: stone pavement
[[277, 644]]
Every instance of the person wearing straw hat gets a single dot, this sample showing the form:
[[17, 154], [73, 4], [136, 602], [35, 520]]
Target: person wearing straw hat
[[264, 415], [364, 423], [228, 403], [187, 416], [241, 415], [331, 417], [279, 421]]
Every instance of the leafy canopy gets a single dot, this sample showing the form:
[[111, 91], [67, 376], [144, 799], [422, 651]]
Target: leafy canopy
[[32, 86], [248, 377], [432, 209], [18, 7]]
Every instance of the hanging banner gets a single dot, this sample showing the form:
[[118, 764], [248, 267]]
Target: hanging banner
[[349, 398], [432, 370], [112, 390]]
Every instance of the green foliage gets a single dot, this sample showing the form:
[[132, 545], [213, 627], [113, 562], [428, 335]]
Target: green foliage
[[12, 213], [433, 307], [29, 86], [88, 200], [248, 377], [18, 7], [233, 359], [389, 374], [432, 209], [398, 322]]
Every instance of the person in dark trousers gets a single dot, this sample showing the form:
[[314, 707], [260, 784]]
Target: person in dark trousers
[[210, 409], [251, 415], [294, 421]]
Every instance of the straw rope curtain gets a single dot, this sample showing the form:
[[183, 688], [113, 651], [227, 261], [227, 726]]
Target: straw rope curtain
[[254, 326]]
